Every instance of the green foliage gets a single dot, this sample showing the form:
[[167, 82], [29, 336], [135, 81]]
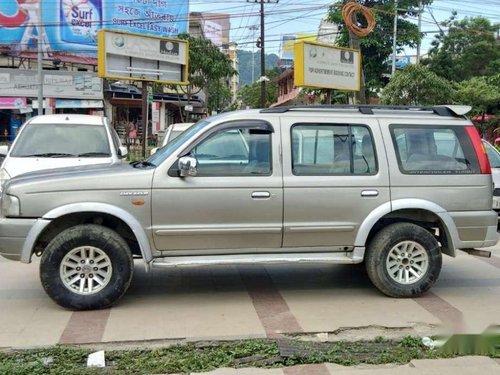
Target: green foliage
[[249, 95], [468, 49], [245, 65], [482, 93], [417, 85], [208, 356], [376, 48]]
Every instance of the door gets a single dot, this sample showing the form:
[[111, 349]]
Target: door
[[334, 177], [235, 202]]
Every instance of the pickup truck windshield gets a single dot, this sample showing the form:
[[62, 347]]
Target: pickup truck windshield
[[164, 152]]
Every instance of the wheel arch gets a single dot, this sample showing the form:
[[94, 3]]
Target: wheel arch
[[44, 224], [418, 211]]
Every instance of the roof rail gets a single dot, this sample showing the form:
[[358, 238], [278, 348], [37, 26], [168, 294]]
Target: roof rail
[[367, 109]]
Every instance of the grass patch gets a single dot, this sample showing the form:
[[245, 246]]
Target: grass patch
[[207, 356]]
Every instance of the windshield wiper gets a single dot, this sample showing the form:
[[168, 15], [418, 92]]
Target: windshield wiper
[[49, 155], [89, 154]]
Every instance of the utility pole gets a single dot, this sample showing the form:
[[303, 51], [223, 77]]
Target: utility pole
[[39, 64], [144, 114], [253, 28], [394, 38], [360, 96], [420, 10], [262, 52]]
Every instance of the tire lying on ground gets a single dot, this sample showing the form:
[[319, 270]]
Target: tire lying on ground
[[403, 260], [86, 267]]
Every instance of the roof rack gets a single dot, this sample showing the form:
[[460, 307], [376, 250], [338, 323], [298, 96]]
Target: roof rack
[[366, 109]]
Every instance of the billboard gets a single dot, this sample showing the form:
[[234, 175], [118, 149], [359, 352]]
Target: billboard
[[325, 67], [288, 42], [70, 26], [215, 26], [56, 84]]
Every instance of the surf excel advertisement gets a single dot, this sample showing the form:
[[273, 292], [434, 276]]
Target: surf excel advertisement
[[70, 26]]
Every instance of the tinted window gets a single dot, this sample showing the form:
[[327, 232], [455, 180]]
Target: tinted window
[[322, 149], [71, 139], [434, 150], [234, 152]]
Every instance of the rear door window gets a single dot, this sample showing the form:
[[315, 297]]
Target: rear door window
[[332, 149], [434, 150]]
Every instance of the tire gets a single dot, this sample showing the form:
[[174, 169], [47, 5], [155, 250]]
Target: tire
[[106, 271], [388, 265]]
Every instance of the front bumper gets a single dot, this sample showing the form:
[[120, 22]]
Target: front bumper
[[13, 233]]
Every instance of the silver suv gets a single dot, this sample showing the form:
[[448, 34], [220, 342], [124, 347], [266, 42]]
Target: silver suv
[[392, 187]]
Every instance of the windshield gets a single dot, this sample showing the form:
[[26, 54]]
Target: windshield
[[493, 155], [164, 152], [62, 140]]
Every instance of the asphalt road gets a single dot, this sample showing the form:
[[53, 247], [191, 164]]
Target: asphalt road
[[228, 302]]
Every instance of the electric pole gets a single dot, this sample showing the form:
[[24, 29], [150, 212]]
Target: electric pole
[[394, 38], [253, 28], [261, 45], [39, 63], [420, 9]]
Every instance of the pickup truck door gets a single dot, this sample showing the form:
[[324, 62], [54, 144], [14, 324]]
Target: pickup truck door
[[236, 200]]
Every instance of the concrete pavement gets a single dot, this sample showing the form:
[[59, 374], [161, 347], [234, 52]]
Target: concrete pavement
[[326, 302], [455, 366]]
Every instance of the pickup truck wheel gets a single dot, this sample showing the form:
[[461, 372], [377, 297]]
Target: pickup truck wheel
[[403, 260], [86, 267]]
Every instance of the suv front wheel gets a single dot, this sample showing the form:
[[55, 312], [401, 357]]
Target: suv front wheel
[[403, 260], [86, 267]]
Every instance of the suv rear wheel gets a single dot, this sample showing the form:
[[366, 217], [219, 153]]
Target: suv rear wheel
[[86, 267], [403, 260]]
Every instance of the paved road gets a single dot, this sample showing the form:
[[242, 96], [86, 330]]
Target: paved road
[[242, 302]]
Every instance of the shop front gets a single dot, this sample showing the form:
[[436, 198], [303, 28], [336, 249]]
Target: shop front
[[63, 92], [13, 112]]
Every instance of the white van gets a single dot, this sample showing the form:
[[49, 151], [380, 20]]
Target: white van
[[55, 141]]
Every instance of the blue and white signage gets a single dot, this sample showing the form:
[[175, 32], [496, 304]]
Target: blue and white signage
[[71, 26]]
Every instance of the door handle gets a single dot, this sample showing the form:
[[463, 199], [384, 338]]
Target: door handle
[[261, 194], [369, 193]]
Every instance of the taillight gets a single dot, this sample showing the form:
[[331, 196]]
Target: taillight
[[482, 156]]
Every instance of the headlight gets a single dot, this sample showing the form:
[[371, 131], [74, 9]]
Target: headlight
[[4, 177], [10, 206]]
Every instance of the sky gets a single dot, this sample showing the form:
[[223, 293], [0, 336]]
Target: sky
[[289, 17]]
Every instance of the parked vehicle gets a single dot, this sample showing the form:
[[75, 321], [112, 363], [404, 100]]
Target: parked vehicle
[[393, 187], [55, 141], [173, 131], [494, 158]]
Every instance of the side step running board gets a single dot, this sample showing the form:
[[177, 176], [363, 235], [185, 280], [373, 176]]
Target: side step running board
[[210, 260]]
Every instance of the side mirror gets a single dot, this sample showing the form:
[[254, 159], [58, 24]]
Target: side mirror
[[153, 151], [122, 151], [187, 166], [4, 150]]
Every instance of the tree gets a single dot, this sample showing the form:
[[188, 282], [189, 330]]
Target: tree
[[376, 48], [207, 66], [417, 85], [469, 49], [249, 95]]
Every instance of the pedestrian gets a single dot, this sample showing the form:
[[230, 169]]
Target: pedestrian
[[132, 134]]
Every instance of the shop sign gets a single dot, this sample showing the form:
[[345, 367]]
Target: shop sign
[[78, 103], [12, 103], [323, 66], [56, 84]]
